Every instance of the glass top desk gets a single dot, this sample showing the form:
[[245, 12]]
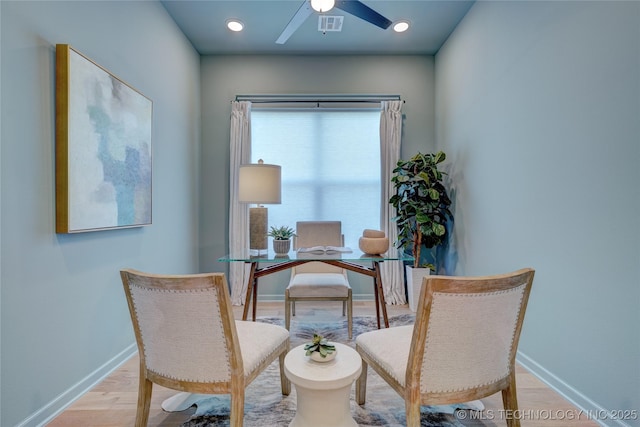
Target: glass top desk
[[352, 261]]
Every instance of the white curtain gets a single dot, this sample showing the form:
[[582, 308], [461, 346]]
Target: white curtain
[[390, 135], [240, 148]]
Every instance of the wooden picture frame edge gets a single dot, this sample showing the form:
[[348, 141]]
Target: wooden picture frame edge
[[62, 138], [62, 114]]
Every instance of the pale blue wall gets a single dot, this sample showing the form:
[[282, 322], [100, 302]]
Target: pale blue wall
[[538, 106], [64, 317], [224, 77]]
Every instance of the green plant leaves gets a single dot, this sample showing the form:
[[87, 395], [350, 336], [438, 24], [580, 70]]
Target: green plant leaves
[[281, 233], [421, 202], [439, 157], [424, 176], [320, 345]]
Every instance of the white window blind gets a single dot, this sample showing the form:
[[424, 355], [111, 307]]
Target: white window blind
[[330, 162]]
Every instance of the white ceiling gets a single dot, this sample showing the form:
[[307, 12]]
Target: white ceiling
[[203, 22]]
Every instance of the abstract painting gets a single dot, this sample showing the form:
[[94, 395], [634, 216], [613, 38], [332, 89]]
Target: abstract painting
[[103, 148]]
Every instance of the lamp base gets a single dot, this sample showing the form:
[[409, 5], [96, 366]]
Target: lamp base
[[258, 219]]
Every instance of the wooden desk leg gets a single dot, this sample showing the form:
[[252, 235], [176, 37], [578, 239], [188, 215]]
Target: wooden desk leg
[[255, 296], [383, 303], [375, 295], [254, 287], [247, 298]]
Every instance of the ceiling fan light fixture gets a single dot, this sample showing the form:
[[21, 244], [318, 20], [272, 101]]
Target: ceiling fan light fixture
[[401, 26], [235, 25], [322, 5]]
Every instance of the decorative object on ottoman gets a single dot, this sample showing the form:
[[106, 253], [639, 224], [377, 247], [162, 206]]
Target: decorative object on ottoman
[[320, 349], [281, 239], [373, 242]]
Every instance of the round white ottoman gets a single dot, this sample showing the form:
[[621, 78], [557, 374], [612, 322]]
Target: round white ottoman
[[323, 388]]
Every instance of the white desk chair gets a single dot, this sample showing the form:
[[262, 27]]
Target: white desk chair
[[318, 281]]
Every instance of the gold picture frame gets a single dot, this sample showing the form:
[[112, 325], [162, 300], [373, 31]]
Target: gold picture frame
[[103, 148]]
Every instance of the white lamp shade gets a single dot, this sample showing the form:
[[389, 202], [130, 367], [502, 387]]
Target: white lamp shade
[[259, 183]]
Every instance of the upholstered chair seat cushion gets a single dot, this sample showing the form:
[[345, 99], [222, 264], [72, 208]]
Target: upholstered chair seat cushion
[[258, 341], [389, 348], [319, 285]]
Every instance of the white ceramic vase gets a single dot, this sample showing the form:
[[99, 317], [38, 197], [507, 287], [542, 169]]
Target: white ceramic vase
[[281, 247], [414, 284]]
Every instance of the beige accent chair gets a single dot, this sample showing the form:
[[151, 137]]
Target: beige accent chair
[[461, 348], [188, 339], [318, 281]]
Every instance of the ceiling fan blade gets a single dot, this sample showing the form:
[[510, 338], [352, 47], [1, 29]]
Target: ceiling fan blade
[[362, 11], [298, 19]]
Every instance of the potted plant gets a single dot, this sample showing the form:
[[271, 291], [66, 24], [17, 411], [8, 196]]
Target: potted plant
[[281, 239], [422, 206], [320, 349]]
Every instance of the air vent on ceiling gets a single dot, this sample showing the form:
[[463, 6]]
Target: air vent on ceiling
[[330, 23]]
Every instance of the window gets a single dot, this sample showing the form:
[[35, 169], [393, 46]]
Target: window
[[330, 162]]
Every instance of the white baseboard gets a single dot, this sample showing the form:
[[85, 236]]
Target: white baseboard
[[597, 412], [52, 409]]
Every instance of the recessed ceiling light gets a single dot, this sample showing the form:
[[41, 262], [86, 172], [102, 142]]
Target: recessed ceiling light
[[401, 26], [322, 5], [235, 25]]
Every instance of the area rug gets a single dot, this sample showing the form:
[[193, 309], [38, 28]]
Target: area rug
[[265, 406]]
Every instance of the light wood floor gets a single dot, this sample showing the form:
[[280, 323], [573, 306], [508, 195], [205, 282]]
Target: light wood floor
[[112, 403]]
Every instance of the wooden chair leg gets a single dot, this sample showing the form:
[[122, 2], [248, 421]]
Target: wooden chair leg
[[285, 384], [412, 407], [145, 388], [237, 408], [361, 385], [344, 305], [510, 401], [412, 403]]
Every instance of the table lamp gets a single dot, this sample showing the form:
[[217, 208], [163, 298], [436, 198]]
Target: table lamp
[[259, 183]]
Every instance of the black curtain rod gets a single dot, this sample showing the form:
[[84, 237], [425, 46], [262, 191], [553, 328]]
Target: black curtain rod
[[311, 100]]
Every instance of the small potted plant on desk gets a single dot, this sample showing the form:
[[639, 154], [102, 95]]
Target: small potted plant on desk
[[422, 206], [320, 349], [281, 239]]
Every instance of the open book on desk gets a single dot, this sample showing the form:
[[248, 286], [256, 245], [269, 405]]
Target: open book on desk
[[325, 249]]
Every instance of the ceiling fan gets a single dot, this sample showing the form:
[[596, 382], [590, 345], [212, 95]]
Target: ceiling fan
[[354, 7]]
